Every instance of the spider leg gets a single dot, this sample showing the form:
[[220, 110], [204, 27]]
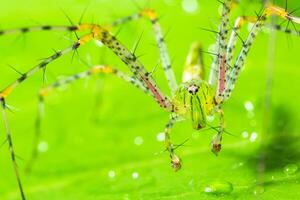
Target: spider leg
[[218, 67], [37, 28], [270, 10], [239, 22], [44, 92], [11, 148], [7, 91], [151, 15], [98, 33], [4, 93], [216, 142], [220, 44], [135, 66], [175, 160], [147, 13], [284, 29]]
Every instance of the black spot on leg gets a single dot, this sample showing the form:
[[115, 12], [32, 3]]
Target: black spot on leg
[[43, 64], [56, 84], [76, 45], [287, 31], [154, 21], [22, 78], [24, 30], [76, 76], [72, 28], [46, 28], [55, 56]]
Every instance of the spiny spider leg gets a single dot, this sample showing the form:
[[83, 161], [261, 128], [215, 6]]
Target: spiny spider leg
[[134, 65], [193, 70], [38, 28], [175, 160], [5, 92], [151, 15], [239, 22], [44, 92], [220, 44], [216, 142], [270, 10], [285, 30], [147, 13], [99, 33], [232, 75], [11, 147]]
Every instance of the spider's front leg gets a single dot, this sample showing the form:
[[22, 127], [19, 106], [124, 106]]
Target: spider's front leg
[[216, 142], [175, 160]]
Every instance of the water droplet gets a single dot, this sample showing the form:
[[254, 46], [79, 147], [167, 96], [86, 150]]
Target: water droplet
[[160, 137], [43, 147], [259, 190], [111, 174], [290, 169], [238, 165], [249, 106], [219, 187], [135, 175], [138, 140], [253, 137], [245, 134], [190, 6]]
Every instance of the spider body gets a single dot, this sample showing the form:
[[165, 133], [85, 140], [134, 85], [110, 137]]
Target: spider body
[[194, 100]]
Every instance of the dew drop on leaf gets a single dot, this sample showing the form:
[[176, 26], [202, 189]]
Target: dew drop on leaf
[[219, 187], [290, 169]]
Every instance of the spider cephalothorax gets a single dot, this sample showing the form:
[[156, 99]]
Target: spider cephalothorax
[[194, 100]]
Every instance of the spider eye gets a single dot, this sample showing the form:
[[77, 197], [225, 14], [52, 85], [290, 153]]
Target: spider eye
[[193, 89]]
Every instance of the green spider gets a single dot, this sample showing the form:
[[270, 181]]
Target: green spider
[[195, 99]]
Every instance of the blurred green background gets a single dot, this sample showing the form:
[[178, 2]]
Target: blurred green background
[[101, 136]]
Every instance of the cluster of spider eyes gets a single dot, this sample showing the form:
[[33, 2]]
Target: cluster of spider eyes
[[193, 89]]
